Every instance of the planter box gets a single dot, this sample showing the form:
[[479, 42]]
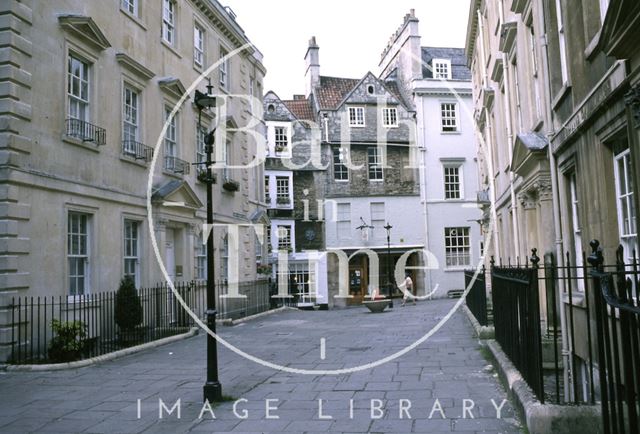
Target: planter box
[[231, 185], [376, 306]]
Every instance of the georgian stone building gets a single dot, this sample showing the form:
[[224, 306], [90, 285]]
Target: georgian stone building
[[86, 90], [352, 169], [439, 83], [556, 104], [503, 51]]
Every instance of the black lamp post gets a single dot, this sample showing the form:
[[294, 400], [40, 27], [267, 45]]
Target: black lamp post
[[388, 227], [212, 388]]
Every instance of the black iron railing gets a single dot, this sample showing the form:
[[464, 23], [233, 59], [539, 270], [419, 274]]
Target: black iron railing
[[516, 317], [176, 165], [617, 311], [85, 131], [86, 324], [477, 296], [137, 150], [568, 358]]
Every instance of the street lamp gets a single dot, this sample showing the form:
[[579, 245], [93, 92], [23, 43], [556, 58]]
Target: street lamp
[[212, 388], [388, 227]]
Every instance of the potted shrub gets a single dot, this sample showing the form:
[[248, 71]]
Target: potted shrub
[[202, 176], [69, 341], [128, 310], [264, 269], [282, 200]]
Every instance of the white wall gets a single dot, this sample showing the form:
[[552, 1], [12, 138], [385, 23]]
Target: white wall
[[438, 148]]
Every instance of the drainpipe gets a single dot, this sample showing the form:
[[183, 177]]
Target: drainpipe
[[418, 100], [489, 144], [557, 225], [507, 95]]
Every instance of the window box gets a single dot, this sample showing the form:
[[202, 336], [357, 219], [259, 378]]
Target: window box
[[231, 185], [264, 269], [202, 176], [284, 201]]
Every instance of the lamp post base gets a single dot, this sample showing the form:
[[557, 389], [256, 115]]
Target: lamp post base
[[212, 391], [390, 299]]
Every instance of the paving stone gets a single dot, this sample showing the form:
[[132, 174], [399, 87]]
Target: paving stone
[[449, 367]]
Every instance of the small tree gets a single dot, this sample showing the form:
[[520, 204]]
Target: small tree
[[128, 308]]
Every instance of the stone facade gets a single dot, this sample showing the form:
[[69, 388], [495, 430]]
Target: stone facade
[[69, 170], [319, 126], [566, 169]]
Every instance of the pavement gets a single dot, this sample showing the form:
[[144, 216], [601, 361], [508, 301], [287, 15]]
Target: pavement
[[443, 385]]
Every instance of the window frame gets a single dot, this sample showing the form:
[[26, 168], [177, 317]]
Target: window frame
[[375, 164], [460, 181], [172, 129], [388, 114], [290, 234], [224, 258], [337, 152], [200, 259], [198, 50], [126, 5], [223, 69], [452, 116], [343, 218], [126, 123], [453, 252], [168, 32], [562, 43], [375, 214], [85, 77], [87, 237], [356, 121], [628, 238], [136, 257], [436, 62]]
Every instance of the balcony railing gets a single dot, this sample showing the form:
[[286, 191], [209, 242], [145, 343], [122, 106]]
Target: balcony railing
[[85, 131], [176, 165], [137, 150]]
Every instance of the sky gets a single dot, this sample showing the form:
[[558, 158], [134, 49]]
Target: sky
[[351, 34]]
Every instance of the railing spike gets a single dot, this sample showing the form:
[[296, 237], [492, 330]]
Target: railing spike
[[534, 257], [595, 258]]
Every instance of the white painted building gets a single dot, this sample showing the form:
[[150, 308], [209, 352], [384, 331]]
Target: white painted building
[[440, 83]]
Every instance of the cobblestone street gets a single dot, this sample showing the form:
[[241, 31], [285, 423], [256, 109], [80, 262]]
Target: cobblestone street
[[433, 380]]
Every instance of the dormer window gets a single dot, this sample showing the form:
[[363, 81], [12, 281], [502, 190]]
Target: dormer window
[[441, 69], [356, 116]]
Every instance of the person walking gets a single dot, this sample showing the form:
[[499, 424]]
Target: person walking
[[408, 290]]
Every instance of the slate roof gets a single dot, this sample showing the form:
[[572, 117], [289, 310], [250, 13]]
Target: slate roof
[[332, 91], [301, 108], [459, 69]]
